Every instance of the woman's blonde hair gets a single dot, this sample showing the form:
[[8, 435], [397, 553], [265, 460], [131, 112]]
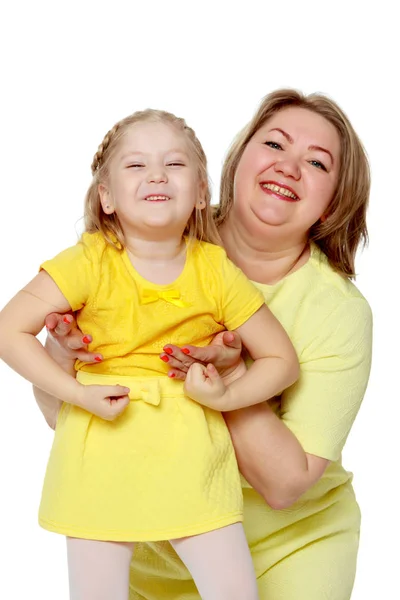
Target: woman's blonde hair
[[345, 228], [201, 225]]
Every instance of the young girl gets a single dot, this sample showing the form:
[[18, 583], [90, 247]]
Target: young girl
[[138, 456]]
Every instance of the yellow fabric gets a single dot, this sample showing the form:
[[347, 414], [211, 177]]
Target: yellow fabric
[[309, 550], [166, 467], [130, 332]]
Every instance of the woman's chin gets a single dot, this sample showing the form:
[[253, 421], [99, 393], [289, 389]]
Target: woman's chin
[[271, 216]]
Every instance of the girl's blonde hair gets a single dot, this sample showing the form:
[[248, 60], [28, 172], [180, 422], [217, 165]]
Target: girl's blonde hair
[[201, 225], [345, 228]]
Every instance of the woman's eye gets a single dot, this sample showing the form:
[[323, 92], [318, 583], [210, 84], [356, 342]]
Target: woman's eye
[[318, 164], [274, 145]]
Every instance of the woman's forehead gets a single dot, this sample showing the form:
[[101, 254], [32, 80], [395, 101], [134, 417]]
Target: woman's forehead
[[298, 123]]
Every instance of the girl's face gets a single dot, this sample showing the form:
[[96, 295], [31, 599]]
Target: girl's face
[[153, 184], [287, 175]]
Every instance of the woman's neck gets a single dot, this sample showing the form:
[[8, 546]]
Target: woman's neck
[[263, 262]]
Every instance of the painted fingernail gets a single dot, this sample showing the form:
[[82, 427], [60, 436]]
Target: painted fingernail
[[86, 340], [67, 319], [98, 358], [172, 375], [168, 350], [164, 358], [185, 350]]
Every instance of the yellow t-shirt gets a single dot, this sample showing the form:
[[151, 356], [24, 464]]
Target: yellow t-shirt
[[330, 325], [99, 281]]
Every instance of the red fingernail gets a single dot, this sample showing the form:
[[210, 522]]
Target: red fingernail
[[168, 350], [67, 320], [98, 358], [86, 340], [172, 375], [185, 350], [164, 358]]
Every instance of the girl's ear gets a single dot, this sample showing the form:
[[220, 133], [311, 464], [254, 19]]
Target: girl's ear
[[201, 203], [105, 199]]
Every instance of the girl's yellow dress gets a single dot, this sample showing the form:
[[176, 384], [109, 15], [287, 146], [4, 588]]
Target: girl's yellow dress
[[166, 467]]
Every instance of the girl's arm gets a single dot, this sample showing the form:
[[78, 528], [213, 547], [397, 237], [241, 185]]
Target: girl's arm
[[20, 321], [275, 368]]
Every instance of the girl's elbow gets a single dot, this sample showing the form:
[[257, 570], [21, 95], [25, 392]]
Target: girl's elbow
[[6, 342], [293, 370]]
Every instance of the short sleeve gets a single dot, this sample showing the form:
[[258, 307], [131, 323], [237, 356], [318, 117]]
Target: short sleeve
[[74, 270], [240, 298], [321, 406]]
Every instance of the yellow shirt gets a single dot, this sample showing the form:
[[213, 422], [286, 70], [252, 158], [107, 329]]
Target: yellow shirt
[[130, 330], [330, 325]]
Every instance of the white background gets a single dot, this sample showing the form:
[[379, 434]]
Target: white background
[[69, 71]]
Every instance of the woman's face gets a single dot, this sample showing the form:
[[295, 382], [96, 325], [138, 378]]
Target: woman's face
[[287, 174]]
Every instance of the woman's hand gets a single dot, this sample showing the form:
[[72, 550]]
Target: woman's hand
[[224, 353], [65, 342]]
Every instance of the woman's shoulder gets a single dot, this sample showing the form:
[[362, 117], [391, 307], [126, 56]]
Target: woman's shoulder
[[327, 281], [316, 299], [329, 292]]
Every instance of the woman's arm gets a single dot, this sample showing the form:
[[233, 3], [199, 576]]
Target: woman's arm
[[283, 457], [270, 457]]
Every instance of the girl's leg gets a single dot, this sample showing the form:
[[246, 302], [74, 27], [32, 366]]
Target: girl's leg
[[220, 563], [98, 570]]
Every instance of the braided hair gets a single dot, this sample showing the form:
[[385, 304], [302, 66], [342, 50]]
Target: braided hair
[[200, 226]]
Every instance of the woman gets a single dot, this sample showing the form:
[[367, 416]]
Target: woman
[[294, 193]]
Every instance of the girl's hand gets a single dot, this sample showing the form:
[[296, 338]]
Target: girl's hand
[[224, 353], [66, 342], [205, 386], [104, 401]]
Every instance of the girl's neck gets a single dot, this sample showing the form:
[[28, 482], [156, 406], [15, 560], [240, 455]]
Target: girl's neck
[[263, 262], [161, 250], [159, 261]]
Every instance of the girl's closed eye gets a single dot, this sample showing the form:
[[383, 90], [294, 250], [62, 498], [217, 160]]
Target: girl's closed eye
[[135, 165], [175, 163]]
